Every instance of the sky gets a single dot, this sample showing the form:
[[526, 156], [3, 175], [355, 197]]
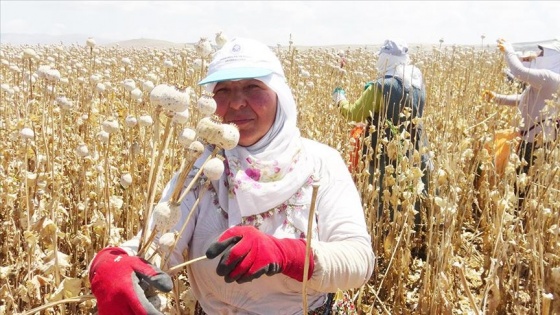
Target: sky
[[309, 23]]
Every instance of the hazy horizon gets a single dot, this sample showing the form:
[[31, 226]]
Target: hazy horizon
[[309, 23]]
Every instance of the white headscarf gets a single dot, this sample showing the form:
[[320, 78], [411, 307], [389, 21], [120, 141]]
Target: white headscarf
[[400, 67], [269, 172], [550, 58]]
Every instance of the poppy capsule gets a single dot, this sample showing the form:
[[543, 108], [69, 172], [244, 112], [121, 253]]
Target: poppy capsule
[[209, 130], [204, 47], [214, 168], [221, 39], [196, 148], [130, 121], [170, 98], [136, 93], [90, 42], [126, 180], [145, 121], [27, 134], [166, 241], [64, 103], [110, 125], [230, 137], [129, 84], [103, 136], [29, 53], [186, 137], [206, 105], [82, 150], [100, 88], [52, 75], [181, 117], [148, 86], [166, 216]]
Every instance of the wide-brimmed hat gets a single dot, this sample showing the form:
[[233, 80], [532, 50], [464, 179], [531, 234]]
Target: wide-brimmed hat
[[242, 58]]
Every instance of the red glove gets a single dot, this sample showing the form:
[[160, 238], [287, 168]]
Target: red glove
[[249, 253], [115, 281]]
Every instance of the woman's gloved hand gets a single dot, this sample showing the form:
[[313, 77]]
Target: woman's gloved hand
[[115, 281], [249, 253]]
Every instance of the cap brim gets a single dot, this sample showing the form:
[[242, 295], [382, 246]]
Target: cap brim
[[235, 74]]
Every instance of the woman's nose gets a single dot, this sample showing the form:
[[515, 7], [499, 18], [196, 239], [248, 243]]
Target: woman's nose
[[237, 100]]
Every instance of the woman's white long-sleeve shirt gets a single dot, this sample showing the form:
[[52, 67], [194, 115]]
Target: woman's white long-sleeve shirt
[[341, 244], [542, 84]]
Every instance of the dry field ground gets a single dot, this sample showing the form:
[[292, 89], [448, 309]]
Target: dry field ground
[[80, 137]]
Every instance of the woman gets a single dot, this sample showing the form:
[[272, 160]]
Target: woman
[[383, 103], [253, 224], [542, 79]]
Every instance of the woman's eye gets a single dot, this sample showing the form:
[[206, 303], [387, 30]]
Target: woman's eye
[[252, 87], [220, 91]]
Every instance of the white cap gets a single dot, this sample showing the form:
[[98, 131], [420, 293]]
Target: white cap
[[242, 58]]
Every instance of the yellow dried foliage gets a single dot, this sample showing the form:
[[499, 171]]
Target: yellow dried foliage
[[58, 207]]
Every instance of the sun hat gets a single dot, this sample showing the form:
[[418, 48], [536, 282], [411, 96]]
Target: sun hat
[[242, 58], [394, 47]]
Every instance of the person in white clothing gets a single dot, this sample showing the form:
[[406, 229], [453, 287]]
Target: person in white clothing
[[541, 74], [252, 224]]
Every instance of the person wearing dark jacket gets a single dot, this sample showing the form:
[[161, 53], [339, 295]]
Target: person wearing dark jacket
[[392, 103]]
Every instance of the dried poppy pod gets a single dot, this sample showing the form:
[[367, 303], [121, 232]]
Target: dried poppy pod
[[170, 98], [186, 137], [136, 93], [206, 105], [148, 86], [152, 77], [204, 47], [214, 168], [208, 129], [197, 64], [103, 136], [181, 117], [166, 215], [223, 135], [64, 103], [129, 84], [166, 241], [168, 64], [90, 42], [221, 39], [42, 71], [145, 121], [195, 149], [126, 180], [100, 88], [52, 75], [230, 136], [29, 53], [82, 150], [130, 121], [27, 134], [95, 78], [110, 125]]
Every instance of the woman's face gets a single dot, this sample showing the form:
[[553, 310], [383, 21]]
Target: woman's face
[[249, 104]]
